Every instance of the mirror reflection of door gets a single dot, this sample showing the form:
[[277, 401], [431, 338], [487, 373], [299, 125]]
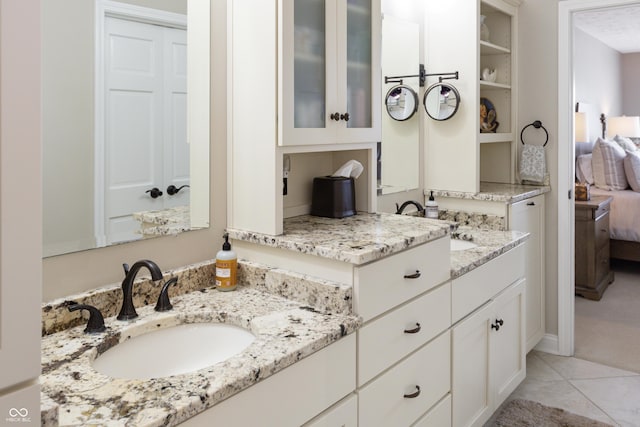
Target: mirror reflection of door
[[145, 138]]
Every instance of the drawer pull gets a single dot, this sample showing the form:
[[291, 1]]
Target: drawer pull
[[412, 276], [497, 324], [414, 330], [531, 204], [414, 394]]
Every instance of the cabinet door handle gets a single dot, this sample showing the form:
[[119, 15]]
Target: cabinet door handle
[[414, 394], [335, 116], [496, 325], [413, 276], [345, 117], [414, 330], [531, 204]]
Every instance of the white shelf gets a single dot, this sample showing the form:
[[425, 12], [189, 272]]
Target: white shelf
[[488, 48], [486, 138], [493, 85]]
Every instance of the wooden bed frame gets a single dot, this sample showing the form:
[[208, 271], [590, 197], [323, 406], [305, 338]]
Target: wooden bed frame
[[624, 249]]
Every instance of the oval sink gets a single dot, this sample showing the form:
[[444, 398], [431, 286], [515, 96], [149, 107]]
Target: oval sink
[[173, 351], [461, 245]]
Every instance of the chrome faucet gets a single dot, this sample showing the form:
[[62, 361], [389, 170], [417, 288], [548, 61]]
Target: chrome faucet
[[400, 209], [128, 311]]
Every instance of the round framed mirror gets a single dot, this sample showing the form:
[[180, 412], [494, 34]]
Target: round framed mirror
[[441, 101], [401, 102]]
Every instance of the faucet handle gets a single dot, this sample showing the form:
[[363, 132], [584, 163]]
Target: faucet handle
[[96, 321], [163, 303]]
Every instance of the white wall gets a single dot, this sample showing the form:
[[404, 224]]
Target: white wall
[[631, 84], [597, 79]]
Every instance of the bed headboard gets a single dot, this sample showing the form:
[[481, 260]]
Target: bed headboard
[[583, 148]]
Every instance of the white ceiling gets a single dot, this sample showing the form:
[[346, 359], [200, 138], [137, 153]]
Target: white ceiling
[[618, 28]]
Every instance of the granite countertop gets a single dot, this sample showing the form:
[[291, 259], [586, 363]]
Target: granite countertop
[[356, 239], [491, 244], [286, 332], [496, 192]]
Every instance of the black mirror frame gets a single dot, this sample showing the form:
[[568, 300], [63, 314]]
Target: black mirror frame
[[452, 89], [415, 101]]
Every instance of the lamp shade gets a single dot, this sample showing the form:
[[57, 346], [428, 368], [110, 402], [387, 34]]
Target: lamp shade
[[627, 126], [581, 127]]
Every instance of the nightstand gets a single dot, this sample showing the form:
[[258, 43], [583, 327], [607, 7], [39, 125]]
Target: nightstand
[[593, 273]]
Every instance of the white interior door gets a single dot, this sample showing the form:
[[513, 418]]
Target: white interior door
[[145, 122], [176, 149]]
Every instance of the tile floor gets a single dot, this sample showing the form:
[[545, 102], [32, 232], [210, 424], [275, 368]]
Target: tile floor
[[596, 391]]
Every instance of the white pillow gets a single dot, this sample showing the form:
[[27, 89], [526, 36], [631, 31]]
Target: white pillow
[[608, 165], [584, 172], [625, 143], [632, 169]]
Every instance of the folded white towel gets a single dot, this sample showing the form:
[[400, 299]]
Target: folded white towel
[[532, 163]]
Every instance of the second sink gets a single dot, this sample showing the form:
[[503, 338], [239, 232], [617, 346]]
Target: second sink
[[173, 351]]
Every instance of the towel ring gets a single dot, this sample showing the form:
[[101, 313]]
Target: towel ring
[[537, 124]]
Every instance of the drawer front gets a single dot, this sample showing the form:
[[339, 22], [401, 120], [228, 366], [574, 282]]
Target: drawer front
[[384, 284], [438, 416], [601, 211], [602, 265], [473, 289], [343, 414], [389, 338], [383, 401], [601, 231]]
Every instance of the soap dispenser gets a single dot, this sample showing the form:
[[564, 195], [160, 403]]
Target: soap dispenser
[[226, 267], [431, 208]]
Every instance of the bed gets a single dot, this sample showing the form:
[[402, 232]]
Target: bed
[[624, 216]]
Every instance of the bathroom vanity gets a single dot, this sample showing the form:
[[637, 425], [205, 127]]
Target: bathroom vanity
[[375, 310]]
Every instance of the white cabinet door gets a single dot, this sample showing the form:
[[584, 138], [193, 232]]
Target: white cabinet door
[[528, 216], [507, 342], [471, 397], [488, 357], [329, 93]]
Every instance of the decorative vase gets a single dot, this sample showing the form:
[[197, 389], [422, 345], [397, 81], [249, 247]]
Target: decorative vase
[[484, 30]]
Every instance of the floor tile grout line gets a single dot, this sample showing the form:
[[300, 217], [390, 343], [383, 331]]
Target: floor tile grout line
[[615, 423]]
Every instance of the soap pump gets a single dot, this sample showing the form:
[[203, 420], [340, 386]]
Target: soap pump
[[226, 267], [431, 208]]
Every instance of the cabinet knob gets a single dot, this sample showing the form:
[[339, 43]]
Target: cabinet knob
[[413, 276], [496, 325], [414, 394], [345, 117], [414, 330], [335, 116]]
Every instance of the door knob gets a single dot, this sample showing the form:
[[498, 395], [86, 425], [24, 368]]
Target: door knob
[[155, 192], [172, 189]]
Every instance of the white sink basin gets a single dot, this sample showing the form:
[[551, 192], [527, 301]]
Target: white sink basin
[[461, 245], [173, 351]]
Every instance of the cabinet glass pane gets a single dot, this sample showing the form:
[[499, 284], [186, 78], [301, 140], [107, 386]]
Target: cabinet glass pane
[[309, 64], [359, 63]]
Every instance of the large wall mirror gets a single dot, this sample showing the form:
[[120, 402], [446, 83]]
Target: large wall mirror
[[125, 121], [399, 150]]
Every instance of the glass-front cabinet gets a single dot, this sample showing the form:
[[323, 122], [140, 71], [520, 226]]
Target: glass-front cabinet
[[328, 81]]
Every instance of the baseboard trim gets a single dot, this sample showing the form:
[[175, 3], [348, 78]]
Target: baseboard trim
[[549, 344]]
